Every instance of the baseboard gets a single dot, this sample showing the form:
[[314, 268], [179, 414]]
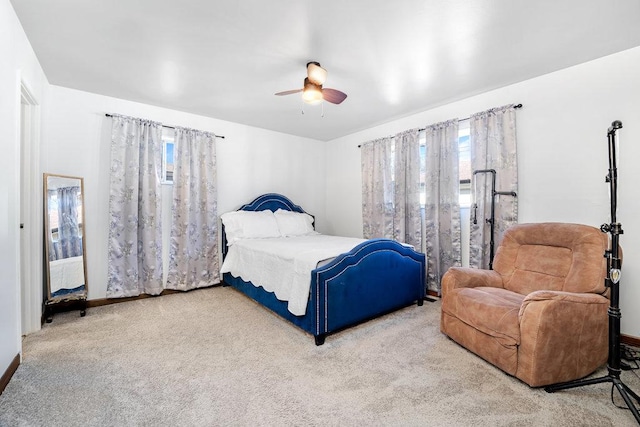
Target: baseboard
[[432, 293], [107, 301], [6, 377], [630, 340]]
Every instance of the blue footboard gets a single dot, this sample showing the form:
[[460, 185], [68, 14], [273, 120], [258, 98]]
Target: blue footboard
[[376, 277]]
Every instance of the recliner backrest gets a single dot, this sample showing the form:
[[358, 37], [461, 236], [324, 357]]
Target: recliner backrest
[[552, 256]]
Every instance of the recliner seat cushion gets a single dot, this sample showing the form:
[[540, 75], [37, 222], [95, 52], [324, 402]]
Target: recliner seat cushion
[[493, 311]]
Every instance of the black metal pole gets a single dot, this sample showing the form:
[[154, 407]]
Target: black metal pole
[[492, 219], [613, 282]]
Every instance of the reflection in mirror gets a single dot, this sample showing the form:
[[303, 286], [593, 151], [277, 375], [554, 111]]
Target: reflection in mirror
[[65, 243]]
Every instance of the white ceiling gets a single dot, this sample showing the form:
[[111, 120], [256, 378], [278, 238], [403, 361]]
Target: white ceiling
[[226, 59]]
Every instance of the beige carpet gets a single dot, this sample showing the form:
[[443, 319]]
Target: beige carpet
[[213, 357]]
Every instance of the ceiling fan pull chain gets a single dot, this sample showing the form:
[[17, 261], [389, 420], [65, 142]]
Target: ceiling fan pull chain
[[322, 115]]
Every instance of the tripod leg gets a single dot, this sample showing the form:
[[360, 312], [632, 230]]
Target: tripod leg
[[579, 383], [631, 392], [623, 392]]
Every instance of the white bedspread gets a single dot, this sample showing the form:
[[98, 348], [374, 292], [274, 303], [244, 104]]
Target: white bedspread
[[67, 273], [283, 265]]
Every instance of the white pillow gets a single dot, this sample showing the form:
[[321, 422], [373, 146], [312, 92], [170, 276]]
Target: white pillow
[[294, 223], [249, 225]]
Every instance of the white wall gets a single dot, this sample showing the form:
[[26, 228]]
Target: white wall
[[251, 161], [17, 63], [562, 155]]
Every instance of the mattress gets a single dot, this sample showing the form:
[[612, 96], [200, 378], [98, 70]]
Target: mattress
[[283, 265]]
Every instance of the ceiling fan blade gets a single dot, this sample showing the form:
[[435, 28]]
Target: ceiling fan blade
[[333, 96], [289, 92]]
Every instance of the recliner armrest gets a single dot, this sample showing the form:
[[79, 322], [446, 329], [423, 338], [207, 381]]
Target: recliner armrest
[[561, 296], [465, 277], [563, 336]]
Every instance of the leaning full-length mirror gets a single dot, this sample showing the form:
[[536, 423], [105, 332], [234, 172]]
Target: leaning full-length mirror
[[65, 243]]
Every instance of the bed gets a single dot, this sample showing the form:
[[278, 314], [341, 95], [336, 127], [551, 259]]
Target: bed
[[375, 277]]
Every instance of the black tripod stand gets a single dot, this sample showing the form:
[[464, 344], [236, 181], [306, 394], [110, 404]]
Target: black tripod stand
[[613, 282]]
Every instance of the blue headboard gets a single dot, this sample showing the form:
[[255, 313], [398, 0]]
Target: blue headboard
[[272, 202], [269, 201]]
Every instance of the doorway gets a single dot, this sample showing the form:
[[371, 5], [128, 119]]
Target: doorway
[[30, 214]]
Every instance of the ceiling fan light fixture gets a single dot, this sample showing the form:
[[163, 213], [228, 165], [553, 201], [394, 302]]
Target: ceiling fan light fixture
[[316, 73], [312, 93]]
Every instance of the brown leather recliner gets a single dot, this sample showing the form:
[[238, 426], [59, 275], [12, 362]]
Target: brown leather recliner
[[541, 313]]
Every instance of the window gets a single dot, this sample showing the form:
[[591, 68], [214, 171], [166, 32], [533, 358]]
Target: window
[[464, 159], [167, 157]]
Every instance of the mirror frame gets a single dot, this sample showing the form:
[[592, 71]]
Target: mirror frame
[[77, 296]]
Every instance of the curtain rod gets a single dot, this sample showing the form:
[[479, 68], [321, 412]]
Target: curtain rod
[[468, 118], [460, 120], [168, 127]]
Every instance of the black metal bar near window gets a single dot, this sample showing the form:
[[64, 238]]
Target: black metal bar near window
[[492, 219], [169, 127]]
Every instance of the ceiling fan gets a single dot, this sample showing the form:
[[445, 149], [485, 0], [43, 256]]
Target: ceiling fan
[[312, 92]]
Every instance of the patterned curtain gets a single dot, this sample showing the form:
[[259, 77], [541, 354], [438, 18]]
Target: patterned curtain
[[442, 204], [193, 259], [493, 146], [69, 242], [407, 218], [68, 227], [135, 241], [377, 188], [391, 188]]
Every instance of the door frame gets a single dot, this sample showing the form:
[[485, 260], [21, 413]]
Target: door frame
[[30, 255]]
